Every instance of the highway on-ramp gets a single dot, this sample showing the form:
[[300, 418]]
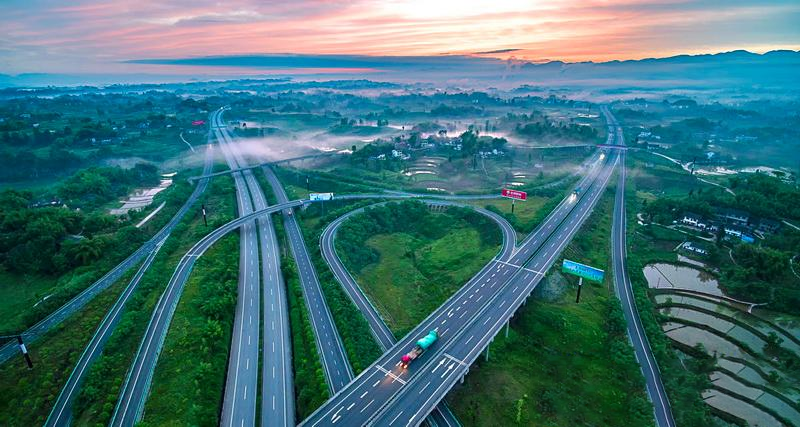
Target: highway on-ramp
[[61, 413], [452, 359]]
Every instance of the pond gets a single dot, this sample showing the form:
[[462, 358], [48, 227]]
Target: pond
[[670, 276]]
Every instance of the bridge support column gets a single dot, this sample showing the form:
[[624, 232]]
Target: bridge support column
[[487, 351], [508, 325]]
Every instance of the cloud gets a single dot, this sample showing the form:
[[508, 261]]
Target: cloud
[[98, 35], [491, 52]]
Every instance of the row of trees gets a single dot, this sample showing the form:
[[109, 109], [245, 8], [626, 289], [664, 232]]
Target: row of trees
[[543, 129]]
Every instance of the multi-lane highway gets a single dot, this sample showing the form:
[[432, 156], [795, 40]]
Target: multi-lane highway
[[622, 287], [380, 331], [241, 386], [333, 356], [277, 393], [452, 360], [495, 290]]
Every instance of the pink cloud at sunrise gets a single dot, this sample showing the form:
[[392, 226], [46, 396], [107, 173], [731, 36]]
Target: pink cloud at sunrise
[[96, 36]]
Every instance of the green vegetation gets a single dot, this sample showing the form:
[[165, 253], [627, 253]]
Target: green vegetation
[[417, 259], [95, 186], [358, 342], [310, 387], [96, 401], [30, 394], [562, 361], [197, 345], [56, 252], [684, 382], [761, 272], [45, 138]]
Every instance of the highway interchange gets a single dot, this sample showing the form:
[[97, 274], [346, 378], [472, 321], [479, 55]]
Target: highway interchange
[[383, 387], [382, 394], [383, 336]]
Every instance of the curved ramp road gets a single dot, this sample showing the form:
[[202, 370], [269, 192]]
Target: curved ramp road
[[136, 386], [61, 413], [79, 301], [375, 390], [383, 335], [419, 396]]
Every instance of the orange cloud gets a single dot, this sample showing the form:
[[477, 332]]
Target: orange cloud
[[97, 33]]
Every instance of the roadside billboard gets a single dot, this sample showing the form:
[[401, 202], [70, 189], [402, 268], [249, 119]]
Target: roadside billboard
[[514, 194], [320, 197], [582, 270]]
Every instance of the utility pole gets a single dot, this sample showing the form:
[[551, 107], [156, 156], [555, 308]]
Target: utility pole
[[22, 348], [580, 285], [24, 351], [205, 220]]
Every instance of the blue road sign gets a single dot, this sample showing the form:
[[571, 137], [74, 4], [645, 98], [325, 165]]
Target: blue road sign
[[582, 270]]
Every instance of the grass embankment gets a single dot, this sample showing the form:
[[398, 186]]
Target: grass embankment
[[30, 394], [416, 274], [310, 387], [96, 402], [409, 260], [358, 342], [530, 213], [189, 378], [563, 363]]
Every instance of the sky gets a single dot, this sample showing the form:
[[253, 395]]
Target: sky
[[99, 36]]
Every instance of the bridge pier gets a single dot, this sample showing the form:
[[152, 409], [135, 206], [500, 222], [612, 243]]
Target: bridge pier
[[508, 325], [487, 350]]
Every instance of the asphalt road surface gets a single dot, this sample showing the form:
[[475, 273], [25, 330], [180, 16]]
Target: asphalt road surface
[[333, 356], [442, 416], [622, 287], [61, 413], [277, 392], [137, 384], [496, 291], [452, 360]]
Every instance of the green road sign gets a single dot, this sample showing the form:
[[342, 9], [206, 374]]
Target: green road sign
[[582, 270]]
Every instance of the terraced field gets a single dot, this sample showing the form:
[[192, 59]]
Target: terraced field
[[747, 384]]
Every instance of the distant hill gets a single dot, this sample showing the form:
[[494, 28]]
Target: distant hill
[[774, 71]]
